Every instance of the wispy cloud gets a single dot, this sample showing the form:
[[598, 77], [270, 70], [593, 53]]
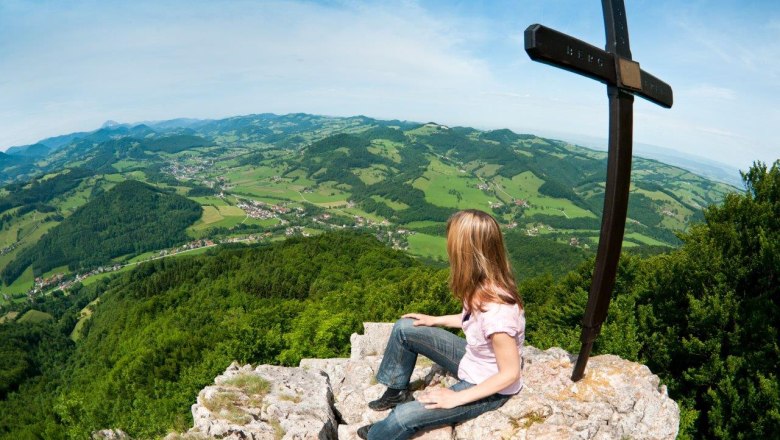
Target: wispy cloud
[[711, 92], [68, 66], [279, 56]]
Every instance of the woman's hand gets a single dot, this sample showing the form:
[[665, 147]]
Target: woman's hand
[[443, 398], [424, 320]]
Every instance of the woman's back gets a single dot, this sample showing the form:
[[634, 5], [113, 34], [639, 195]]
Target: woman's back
[[479, 362]]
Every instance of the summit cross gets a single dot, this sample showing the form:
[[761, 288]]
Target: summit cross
[[624, 79]]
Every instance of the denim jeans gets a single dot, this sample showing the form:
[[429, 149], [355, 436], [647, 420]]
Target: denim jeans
[[442, 347]]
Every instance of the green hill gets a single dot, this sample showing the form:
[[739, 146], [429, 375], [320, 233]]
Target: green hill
[[162, 331], [703, 317], [131, 218], [267, 177]]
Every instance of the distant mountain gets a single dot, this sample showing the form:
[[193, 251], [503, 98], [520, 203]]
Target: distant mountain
[[5, 158], [34, 150], [702, 166], [275, 176]]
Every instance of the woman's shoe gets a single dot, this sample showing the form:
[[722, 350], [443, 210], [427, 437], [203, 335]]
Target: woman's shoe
[[362, 432], [389, 399]]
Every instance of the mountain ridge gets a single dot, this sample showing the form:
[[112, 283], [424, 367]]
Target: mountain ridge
[[268, 176]]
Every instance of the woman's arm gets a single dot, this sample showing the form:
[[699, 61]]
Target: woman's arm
[[435, 321], [509, 372]]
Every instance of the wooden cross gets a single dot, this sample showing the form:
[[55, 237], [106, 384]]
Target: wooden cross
[[624, 79]]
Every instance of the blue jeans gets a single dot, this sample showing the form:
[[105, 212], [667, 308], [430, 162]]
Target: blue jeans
[[442, 347]]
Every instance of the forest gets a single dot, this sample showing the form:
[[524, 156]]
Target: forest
[[704, 317], [130, 218]]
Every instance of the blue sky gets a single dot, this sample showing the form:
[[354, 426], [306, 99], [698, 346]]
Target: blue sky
[[69, 66]]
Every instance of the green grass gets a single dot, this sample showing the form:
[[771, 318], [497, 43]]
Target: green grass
[[10, 316], [144, 256], [94, 278], [116, 178], [231, 211], [249, 383], [33, 316], [420, 224], [526, 185], [227, 222], [266, 192], [191, 252], [488, 170], [125, 164], [22, 284], [221, 216], [325, 194], [268, 222], [445, 186], [360, 212], [210, 200], [429, 246], [84, 315], [394, 205], [386, 148], [74, 200], [60, 269], [643, 239], [210, 215], [250, 175], [370, 175]]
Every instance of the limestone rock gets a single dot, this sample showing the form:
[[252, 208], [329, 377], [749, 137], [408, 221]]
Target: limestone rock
[[267, 402], [373, 340], [615, 399], [327, 399], [110, 434]]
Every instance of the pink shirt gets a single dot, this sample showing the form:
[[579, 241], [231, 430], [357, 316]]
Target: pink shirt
[[479, 362]]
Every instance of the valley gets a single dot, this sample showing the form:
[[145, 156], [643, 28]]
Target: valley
[[265, 178]]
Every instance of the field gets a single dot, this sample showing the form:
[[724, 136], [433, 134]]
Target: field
[[525, 186], [84, 315], [445, 186], [33, 316], [428, 246], [223, 215], [10, 316]]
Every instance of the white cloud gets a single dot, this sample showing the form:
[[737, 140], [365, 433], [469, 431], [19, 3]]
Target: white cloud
[[151, 61], [711, 92]]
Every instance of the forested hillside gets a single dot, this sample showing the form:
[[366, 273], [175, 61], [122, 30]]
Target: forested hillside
[[130, 218], [161, 332], [704, 317]]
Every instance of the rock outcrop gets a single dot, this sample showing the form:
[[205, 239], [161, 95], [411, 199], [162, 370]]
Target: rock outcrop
[[327, 399]]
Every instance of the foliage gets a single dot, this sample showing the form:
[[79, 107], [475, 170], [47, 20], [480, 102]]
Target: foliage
[[132, 217], [535, 256], [709, 314], [163, 331], [703, 317], [39, 191]]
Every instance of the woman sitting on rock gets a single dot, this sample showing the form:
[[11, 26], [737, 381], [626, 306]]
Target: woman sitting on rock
[[487, 363]]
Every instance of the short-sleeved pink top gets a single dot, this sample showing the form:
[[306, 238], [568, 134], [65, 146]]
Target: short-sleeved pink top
[[479, 362]]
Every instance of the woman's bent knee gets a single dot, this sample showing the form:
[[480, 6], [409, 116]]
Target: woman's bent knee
[[403, 324]]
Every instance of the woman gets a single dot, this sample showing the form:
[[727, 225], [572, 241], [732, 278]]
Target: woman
[[488, 362]]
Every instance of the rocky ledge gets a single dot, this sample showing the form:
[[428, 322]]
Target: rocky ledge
[[327, 399]]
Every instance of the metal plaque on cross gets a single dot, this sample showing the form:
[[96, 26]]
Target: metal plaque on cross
[[624, 79]]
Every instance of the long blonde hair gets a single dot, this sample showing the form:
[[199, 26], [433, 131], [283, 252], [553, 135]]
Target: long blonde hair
[[479, 268]]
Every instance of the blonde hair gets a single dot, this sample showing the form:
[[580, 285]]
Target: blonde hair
[[479, 268]]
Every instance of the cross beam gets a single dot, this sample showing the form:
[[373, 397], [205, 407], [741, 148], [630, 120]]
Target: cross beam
[[624, 79]]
